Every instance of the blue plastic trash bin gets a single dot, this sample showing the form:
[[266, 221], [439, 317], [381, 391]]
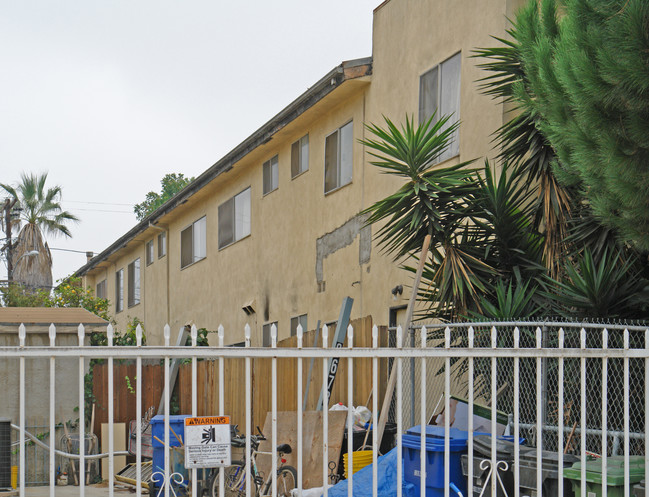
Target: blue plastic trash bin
[[176, 461], [434, 458]]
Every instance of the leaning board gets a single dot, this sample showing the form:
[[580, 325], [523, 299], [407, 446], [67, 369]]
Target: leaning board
[[312, 437]]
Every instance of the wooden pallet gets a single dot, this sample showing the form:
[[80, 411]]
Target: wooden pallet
[[129, 474]]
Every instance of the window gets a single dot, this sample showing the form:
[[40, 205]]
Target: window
[[296, 321], [300, 156], [134, 283], [265, 339], [234, 219], [149, 252], [193, 243], [162, 245], [338, 157], [439, 90], [271, 174], [119, 291], [101, 289]]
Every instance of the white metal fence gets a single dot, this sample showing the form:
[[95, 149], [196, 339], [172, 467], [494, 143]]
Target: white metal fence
[[534, 372]]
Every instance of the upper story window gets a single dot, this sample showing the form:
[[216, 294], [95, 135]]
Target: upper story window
[[300, 156], [234, 219], [162, 245], [266, 340], [271, 174], [149, 252], [439, 90], [134, 283], [193, 243], [101, 290], [339, 147], [119, 290], [297, 320]]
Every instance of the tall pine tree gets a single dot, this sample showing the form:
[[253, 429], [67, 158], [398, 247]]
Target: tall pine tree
[[587, 84]]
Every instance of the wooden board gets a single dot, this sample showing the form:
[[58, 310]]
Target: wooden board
[[119, 444], [312, 437]]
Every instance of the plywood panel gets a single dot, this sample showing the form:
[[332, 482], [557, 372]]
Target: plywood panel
[[312, 436], [119, 444]]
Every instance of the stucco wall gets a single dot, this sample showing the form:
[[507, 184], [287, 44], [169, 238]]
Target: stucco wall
[[303, 255], [37, 381]]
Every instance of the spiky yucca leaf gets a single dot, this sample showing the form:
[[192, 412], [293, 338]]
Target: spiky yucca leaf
[[432, 200]]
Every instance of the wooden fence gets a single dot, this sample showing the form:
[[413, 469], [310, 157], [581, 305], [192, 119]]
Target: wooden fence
[[234, 380]]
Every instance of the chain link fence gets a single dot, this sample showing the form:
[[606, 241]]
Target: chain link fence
[[548, 369]]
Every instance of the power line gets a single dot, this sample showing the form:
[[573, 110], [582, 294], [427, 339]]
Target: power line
[[70, 250], [98, 203], [100, 210]]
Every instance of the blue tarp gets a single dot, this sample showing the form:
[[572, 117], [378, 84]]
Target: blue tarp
[[387, 484]]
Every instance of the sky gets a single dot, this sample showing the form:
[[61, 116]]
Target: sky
[[109, 96]]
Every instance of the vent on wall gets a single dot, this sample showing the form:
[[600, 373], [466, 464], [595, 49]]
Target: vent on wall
[[5, 454], [249, 307]]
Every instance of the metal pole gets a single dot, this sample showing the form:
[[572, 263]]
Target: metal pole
[[9, 204]]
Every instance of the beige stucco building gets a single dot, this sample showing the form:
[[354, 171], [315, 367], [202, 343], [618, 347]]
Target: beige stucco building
[[271, 233]]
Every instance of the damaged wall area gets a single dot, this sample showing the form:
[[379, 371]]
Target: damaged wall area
[[340, 238]]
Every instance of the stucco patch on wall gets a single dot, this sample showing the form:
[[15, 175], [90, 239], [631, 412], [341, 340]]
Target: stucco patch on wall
[[342, 237]]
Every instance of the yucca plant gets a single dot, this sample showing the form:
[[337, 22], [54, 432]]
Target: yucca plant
[[433, 200], [609, 287], [522, 145], [496, 241]]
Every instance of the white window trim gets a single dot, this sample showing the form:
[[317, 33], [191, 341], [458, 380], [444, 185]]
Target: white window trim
[[300, 156], [194, 261], [119, 297], [235, 239], [148, 244], [454, 117], [162, 253], [324, 179], [270, 164], [137, 297]]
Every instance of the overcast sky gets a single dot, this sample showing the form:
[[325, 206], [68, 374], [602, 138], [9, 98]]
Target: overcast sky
[[108, 97]]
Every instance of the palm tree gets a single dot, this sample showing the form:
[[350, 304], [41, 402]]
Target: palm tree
[[41, 213]]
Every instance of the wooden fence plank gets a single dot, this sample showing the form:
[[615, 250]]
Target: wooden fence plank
[[234, 394]]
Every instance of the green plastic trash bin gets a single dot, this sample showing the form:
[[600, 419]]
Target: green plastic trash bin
[[614, 479]]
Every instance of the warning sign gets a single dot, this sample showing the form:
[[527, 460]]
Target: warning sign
[[207, 442]]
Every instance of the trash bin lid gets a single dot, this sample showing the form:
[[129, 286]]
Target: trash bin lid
[[548, 456], [614, 470], [174, 418], [439, 432], [504, 448]]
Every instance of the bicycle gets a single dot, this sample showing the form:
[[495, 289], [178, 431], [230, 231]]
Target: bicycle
[[235, 474]]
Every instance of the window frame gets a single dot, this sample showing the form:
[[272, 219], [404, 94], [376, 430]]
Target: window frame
[[339, 154], [297, 320], [162, 244], [195, 258], [134, 288], [119, 290], [268, 341], [454, 145], [104, 286], [233, 219], [299, 147], [148, 252], [270, 171]]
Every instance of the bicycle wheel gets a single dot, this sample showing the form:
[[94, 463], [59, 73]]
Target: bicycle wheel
[[286, 481], [234, 481]]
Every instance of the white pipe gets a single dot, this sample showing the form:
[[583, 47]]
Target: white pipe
[[300, 336], [52, 333], [82, 418]]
